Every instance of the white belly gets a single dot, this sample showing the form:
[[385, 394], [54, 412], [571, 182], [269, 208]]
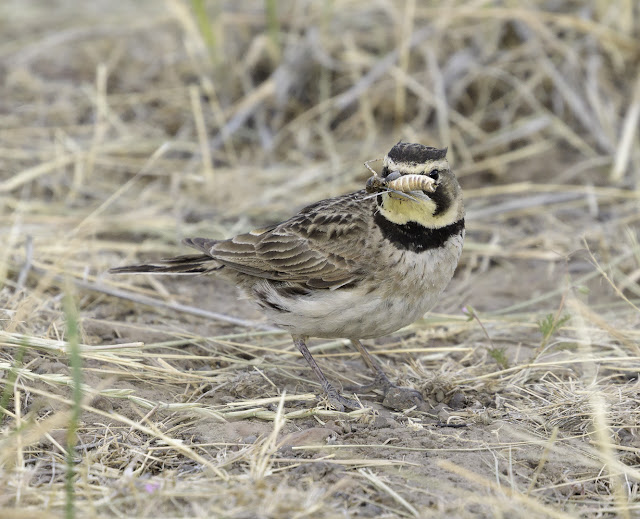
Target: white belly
[[352, 314], [374, 309]]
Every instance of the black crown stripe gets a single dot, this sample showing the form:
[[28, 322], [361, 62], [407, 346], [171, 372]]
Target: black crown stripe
[[418, 153]]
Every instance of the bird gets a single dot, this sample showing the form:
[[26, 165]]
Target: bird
[[357, 266]]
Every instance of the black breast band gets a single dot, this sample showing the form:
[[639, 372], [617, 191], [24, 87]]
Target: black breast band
[[415, 237]]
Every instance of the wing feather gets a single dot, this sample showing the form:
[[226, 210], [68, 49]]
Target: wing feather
[[303, 249]]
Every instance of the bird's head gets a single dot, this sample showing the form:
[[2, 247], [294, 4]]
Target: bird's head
[[435, 209]]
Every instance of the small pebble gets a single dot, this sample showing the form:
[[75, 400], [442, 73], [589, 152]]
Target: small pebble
[[457, 401]]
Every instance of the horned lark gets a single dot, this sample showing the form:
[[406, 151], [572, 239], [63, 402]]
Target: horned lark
[[357, 266]]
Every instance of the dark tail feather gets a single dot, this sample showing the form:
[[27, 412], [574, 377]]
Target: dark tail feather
[[188, 264]]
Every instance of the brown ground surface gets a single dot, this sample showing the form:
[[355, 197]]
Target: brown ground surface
[[126, 127]]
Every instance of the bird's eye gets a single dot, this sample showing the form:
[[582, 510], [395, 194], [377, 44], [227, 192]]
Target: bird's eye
[[435, 173]]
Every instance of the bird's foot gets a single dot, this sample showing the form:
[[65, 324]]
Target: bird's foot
[[400, 398], [380, 382], [340, 402], [394, 397]]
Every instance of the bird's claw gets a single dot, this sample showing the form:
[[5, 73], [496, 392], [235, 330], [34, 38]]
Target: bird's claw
[[340, 402], [380, 382]]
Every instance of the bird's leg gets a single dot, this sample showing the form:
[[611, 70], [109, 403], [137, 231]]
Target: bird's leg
[[394, 396], [381, 381], [335, 398]]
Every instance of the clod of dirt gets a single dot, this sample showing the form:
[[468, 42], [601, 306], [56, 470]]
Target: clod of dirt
[[458, 400], [313, 436]]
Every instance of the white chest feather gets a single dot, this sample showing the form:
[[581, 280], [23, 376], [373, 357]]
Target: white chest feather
[[370, 309]]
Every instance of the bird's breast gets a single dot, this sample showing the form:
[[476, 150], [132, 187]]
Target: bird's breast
[[403, 286]]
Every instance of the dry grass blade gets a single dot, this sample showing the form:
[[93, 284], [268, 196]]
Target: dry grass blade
[[264, 457], [522, 499], [629, 135], [382, 486]]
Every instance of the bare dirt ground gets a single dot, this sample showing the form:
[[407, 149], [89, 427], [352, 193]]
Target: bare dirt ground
[[125, 127]]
